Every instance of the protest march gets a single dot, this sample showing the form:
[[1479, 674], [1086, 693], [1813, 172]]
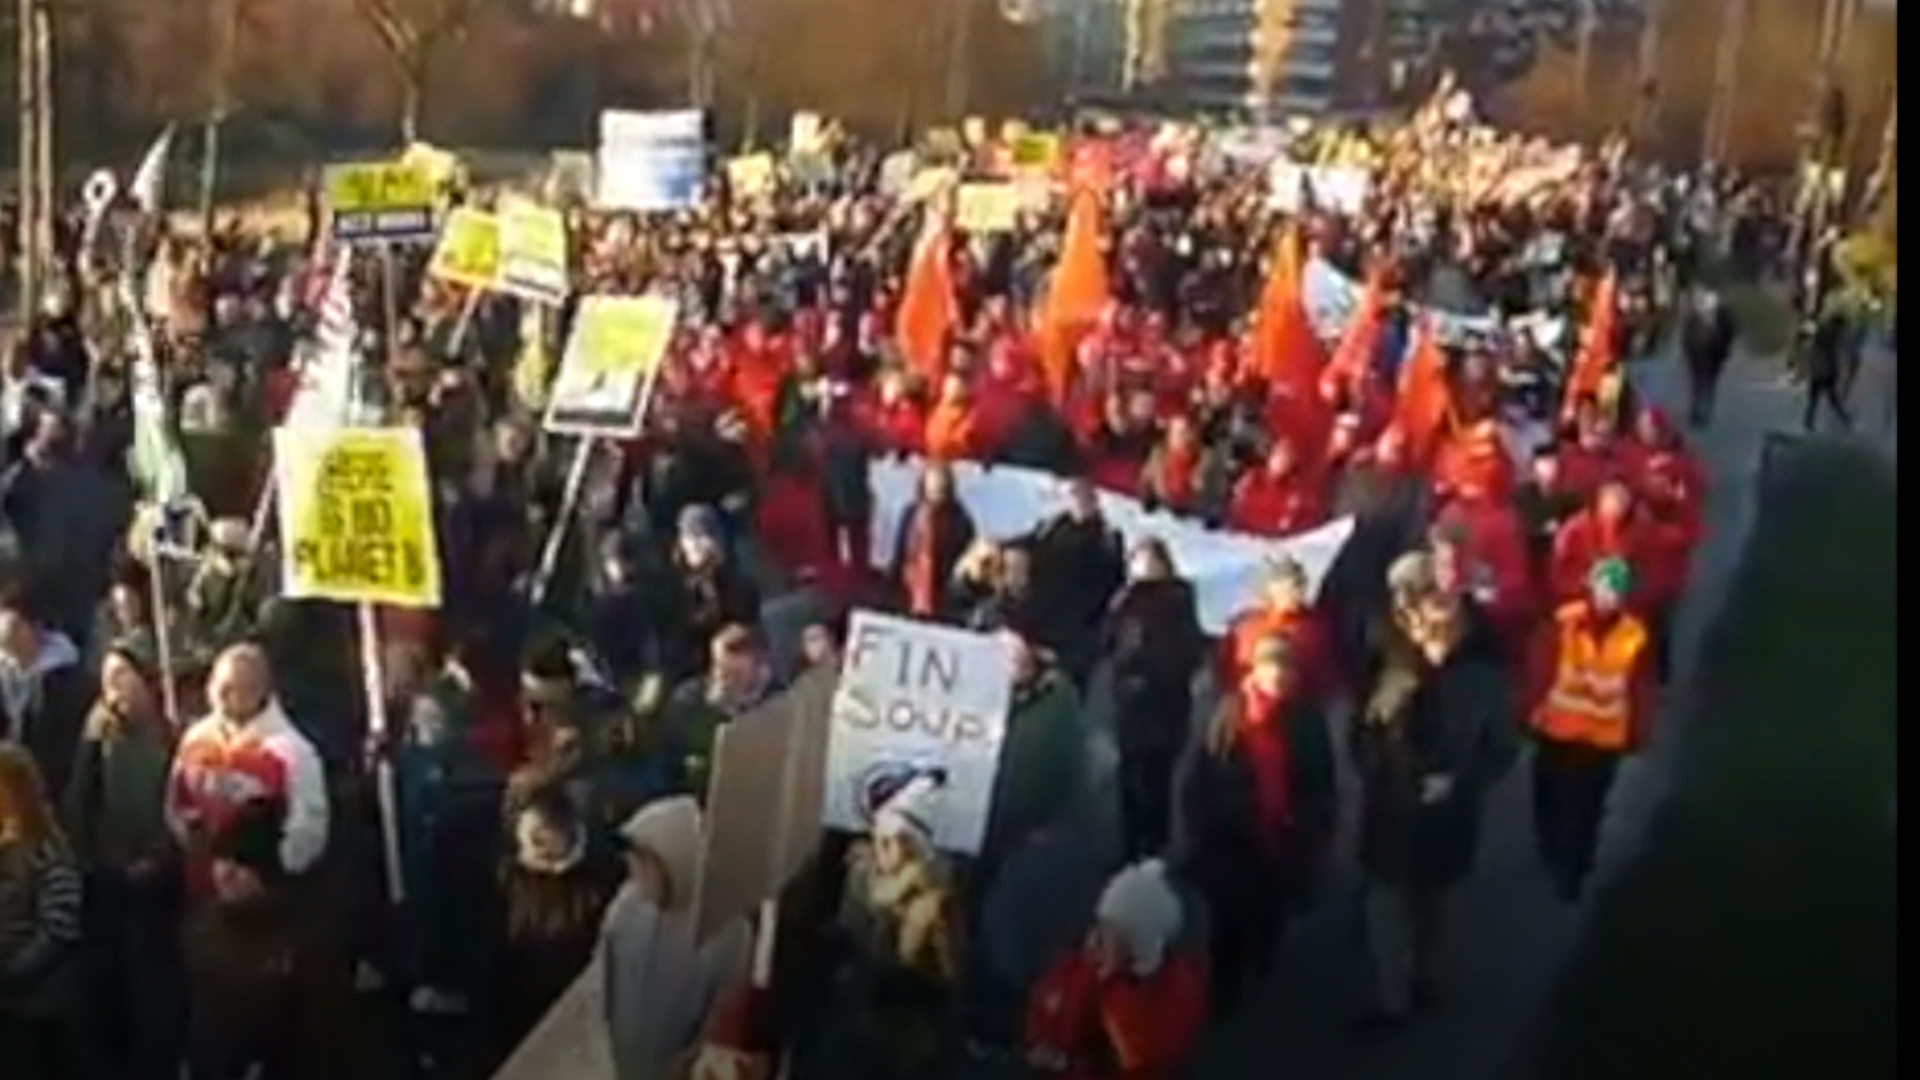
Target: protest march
[[703, 585]]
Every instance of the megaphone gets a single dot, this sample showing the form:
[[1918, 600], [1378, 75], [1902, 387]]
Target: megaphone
[[99, 191]]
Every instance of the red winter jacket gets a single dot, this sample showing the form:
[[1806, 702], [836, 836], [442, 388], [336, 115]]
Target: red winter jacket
[[1118, 1027]]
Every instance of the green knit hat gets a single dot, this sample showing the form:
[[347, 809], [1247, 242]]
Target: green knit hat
[[1611, 574]]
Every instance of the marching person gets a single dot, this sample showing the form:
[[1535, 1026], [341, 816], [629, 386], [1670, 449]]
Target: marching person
[[245, 750], [1431, 712], [40, 925], [1254, 802], [1595, 682], [1131, 1002], [1154, 638], [1706, 342]]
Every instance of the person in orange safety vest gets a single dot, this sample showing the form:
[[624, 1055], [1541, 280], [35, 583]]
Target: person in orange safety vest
[[1592, 706]]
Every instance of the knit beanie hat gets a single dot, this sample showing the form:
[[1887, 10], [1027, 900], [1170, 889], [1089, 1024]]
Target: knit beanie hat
[[1140, 906], [1613, 574], [910, 814], [140, 651]]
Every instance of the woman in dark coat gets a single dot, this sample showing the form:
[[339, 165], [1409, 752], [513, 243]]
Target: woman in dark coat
[[1254, 801], [935, 531], [1153, 635], [1432, 733]]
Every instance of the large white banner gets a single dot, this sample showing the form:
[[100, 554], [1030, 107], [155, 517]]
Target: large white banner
[[1228, 569], [1332, 297], [918, 699], [651, 161]]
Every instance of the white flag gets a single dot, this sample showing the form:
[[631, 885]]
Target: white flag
[[150, 178], [325, 395]]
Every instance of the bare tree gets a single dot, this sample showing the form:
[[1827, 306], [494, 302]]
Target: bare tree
[[413, 32]]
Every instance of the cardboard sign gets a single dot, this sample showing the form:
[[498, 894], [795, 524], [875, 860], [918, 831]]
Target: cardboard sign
[[806, 133], [611, 358], [763, 801], [380, 201], [987, 208], [356, 519], [469, 249], [751, 176], [914, 698], [533, 252]]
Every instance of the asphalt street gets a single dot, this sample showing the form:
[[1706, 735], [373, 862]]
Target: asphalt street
[[1509, 935]]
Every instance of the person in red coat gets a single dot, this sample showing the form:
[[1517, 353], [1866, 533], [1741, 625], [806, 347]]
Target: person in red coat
[[1612, 526], [1282, 497], [1287, 610], [1130, 1003], [1590, 458], [1480, 550], [894, 417], [1475, 458], [1672, 490]]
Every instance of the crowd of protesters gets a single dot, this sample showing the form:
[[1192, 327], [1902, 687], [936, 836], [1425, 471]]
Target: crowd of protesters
[[190, 860]]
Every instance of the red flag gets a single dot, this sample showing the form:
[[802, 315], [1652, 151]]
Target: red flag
[[1599, 350], [928, 310], [1286, 352], [1425, 398], [1077, 294]]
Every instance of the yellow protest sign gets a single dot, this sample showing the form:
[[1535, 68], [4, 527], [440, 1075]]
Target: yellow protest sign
[[469, 249], [751, 175], [356, 519], [1036, 150], [986, 208], [533, 251], [391, 200], [615, 347]]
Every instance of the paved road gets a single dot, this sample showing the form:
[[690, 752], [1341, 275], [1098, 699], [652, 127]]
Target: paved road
[[1510, 936]]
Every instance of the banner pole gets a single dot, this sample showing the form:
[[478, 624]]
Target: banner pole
[[557, 532], [162, 631], [373, 670]]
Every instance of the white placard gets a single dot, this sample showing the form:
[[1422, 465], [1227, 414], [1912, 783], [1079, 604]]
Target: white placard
[[913, 698], [1341, 188], [651, 161]]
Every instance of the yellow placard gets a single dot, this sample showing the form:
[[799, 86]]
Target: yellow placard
[[390, 200], [751, 175], [986, 208], [1039, 150], [533, 251], [356, 519], [469, 249], [931, 183], [616, 343]]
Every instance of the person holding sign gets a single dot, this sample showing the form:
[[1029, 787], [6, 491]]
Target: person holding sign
[[902, 926]]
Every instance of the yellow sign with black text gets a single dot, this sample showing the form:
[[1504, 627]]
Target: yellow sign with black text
[[382, 200], [469, 250], [356, 516]]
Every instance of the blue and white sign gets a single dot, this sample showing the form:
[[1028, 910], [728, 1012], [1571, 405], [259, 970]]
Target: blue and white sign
[[651, 161]]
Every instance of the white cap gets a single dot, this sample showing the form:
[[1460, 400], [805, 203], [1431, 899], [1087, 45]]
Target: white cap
[[910, 814]]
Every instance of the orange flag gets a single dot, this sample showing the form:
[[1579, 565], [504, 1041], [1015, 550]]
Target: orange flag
[[1286, 352], [1598, 354], [1352, 362], [1076, 295], [1425, 399], [928, 310]]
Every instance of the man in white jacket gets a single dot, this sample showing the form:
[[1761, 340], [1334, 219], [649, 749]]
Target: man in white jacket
[[245, 750]]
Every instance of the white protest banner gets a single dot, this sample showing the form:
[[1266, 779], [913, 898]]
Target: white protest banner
[[1227, 569], [916, 699], [1331, 298], [651, 161], [1342, 188]]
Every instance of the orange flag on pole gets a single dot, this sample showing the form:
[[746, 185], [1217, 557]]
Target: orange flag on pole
[[928, 311], [1286, 352], [1077, 293], [1425, 399], [1599, 353]]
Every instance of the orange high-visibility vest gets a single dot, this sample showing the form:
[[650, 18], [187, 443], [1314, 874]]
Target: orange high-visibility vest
[[1591, 702]]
